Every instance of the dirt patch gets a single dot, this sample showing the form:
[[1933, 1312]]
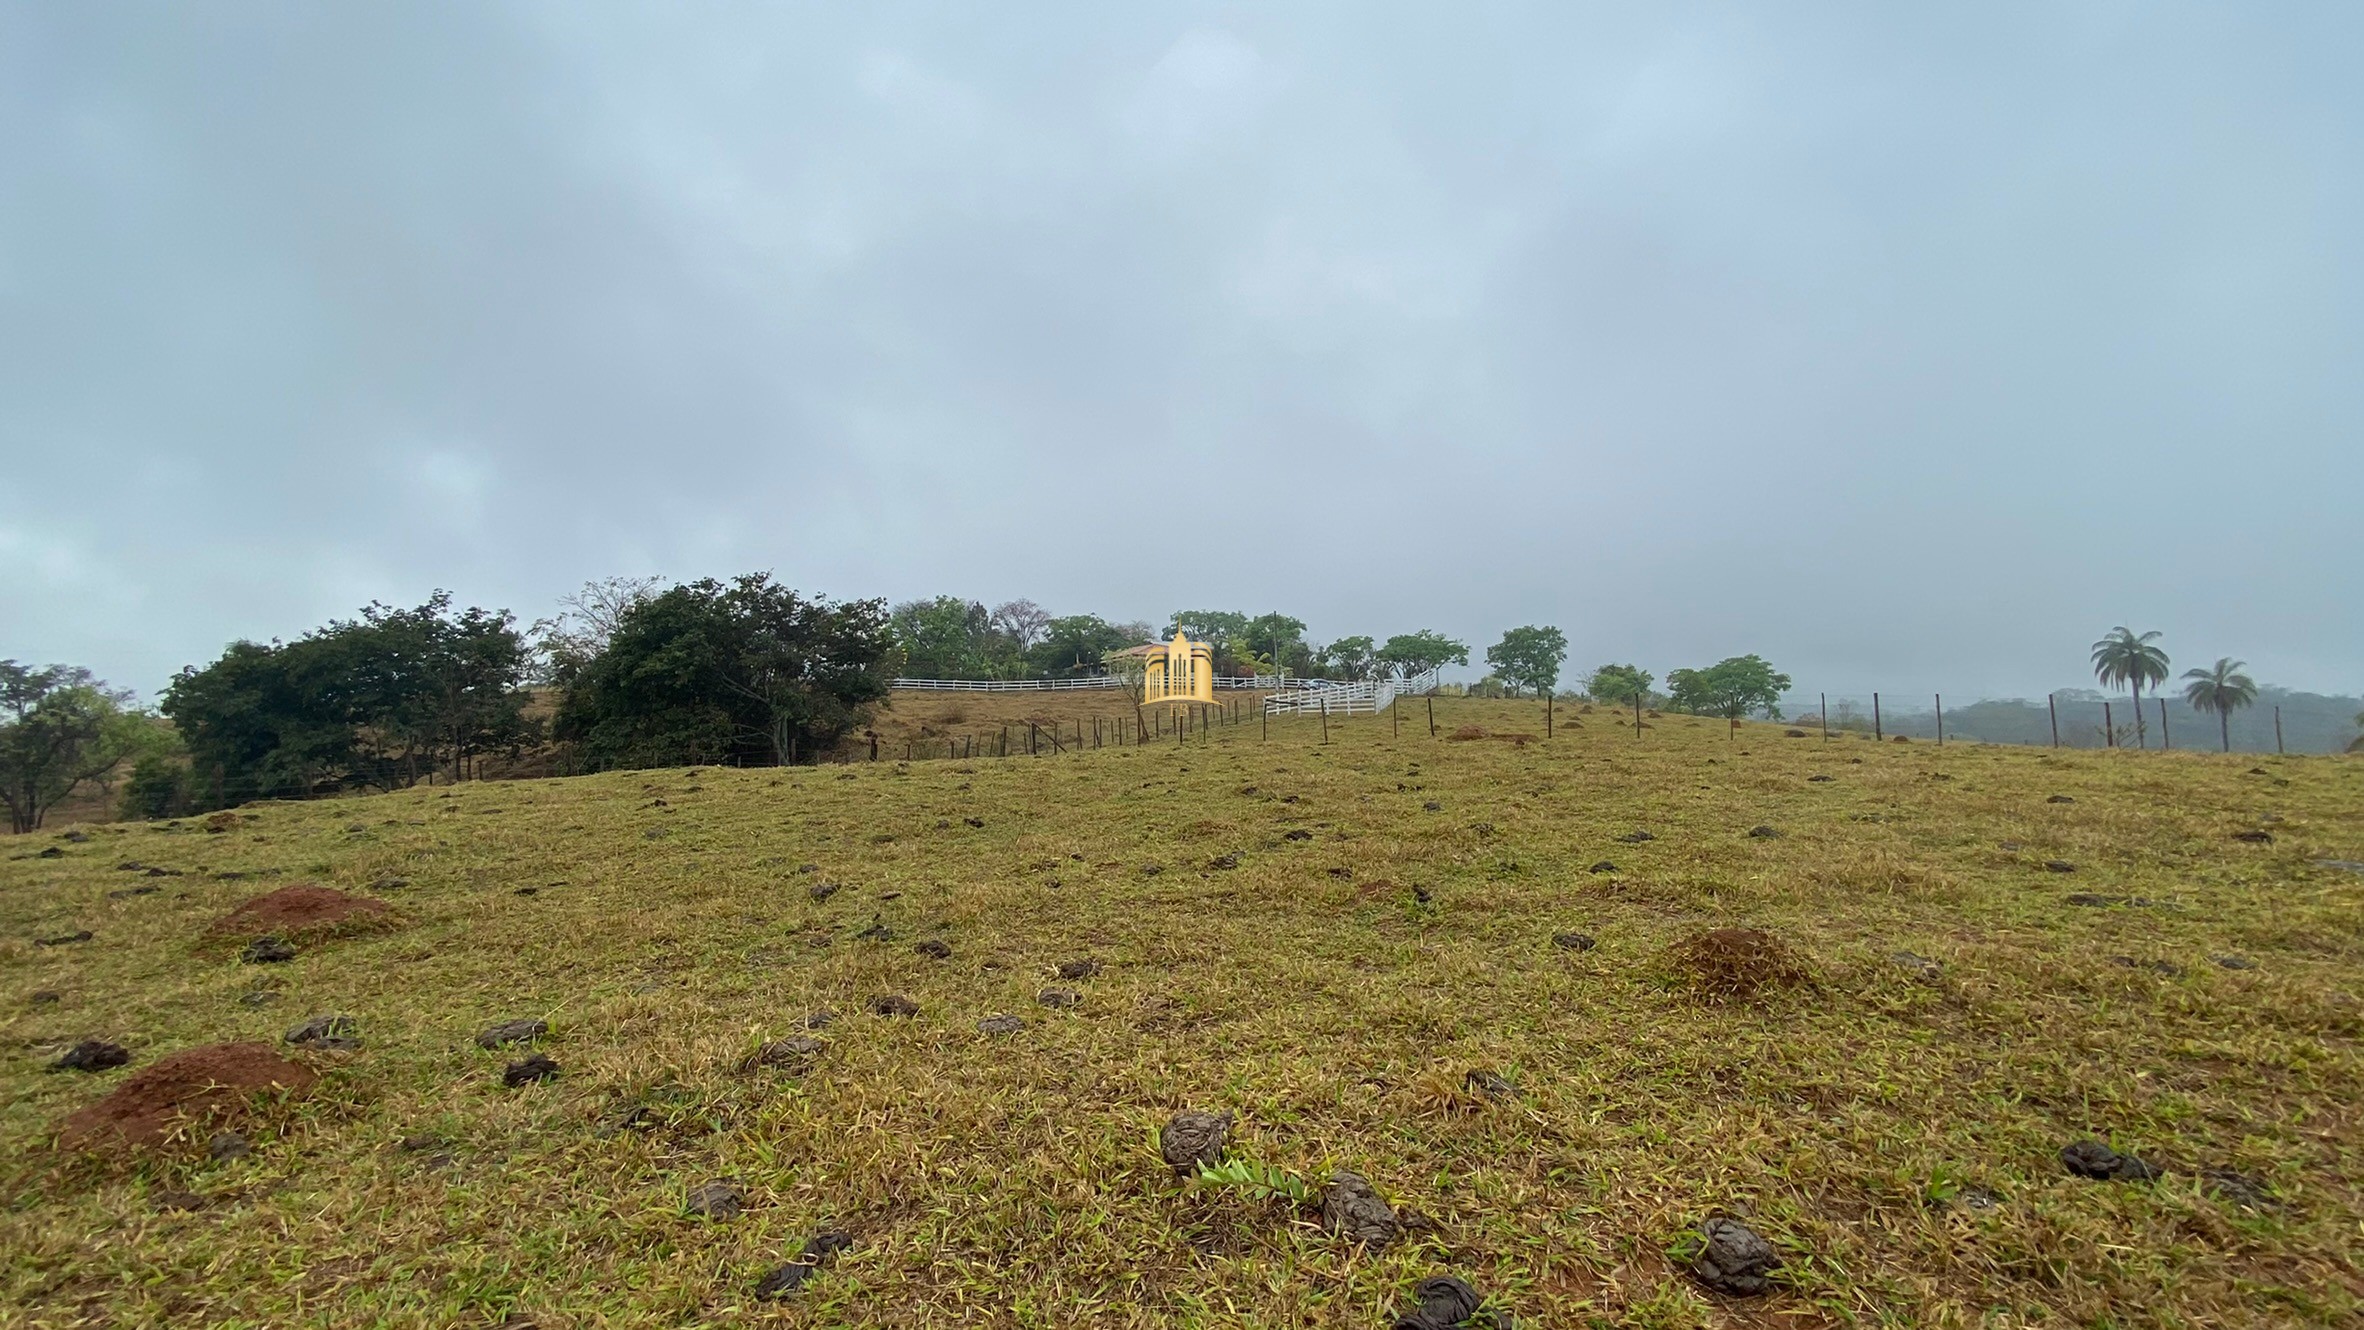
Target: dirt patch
[[300, 910], [195, 1083], [1468, 732], [1738, 962]]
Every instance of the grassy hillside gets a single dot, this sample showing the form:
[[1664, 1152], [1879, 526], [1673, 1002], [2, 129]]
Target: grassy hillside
[[1351, 948]]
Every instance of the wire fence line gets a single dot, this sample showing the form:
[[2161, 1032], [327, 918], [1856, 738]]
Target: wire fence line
[[2281, 723]]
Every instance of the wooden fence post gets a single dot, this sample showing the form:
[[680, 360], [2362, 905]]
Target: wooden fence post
[[1940, 718], [2166, 740], [1825, 717], [1325, 720], [2109, 727], [1432, 716], [2277, 729], [1877, 733], [1547, 712], [2052, 704]]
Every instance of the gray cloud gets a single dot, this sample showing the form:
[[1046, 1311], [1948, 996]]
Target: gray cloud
[[1912, 349]]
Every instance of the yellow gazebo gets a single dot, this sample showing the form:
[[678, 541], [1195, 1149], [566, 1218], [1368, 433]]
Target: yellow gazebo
[[1182, 672]]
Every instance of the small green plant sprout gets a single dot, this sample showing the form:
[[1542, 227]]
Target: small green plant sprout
[[1263, 1182]]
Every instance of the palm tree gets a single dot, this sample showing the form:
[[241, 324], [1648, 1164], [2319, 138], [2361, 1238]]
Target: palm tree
[[2127, 658], [2223, 690]]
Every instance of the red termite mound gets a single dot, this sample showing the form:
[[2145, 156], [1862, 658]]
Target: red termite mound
[[195, 1084], [293, 911]]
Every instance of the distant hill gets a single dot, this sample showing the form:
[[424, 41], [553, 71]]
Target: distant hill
[[2311, 722]]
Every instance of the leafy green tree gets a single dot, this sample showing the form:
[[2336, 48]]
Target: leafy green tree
[[1619, 683], [1730, 688], [2124, 657], [945, 638], [747, 671], [1280, 638], [2223, 689], [583, 624], [1023, 623], [1418, 653], [378, 702], [158, 788], [1351, 657], [1223, 630], [60, 729], [1529, 657], [1073, 645]]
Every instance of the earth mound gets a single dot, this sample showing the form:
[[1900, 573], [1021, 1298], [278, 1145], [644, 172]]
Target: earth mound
[[195, 1083], [296, 911], [1738, 962]]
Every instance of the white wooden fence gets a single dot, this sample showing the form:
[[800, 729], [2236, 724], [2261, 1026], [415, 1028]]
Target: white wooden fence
[[1261, 681], [1364, 696]]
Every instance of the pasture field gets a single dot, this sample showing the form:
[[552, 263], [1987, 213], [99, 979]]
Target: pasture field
[[1355, 949]]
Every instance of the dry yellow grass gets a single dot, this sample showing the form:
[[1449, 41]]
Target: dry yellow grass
[[1333, 991]]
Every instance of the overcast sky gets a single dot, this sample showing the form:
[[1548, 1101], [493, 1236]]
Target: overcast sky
[[1910, 346]]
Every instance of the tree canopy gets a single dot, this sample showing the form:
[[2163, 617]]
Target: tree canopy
[[746, 671], [2124, 657], [1622, 684], [1529, 657], [2223, 689], [377, 702], [60, 729], [1730, 688], [1417, 653]]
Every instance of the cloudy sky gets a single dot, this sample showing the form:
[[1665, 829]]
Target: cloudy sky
[[1911, 346]]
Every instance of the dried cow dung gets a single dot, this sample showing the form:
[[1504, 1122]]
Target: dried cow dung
[[1439, 1302], [1604, 866], [791, 1277], [1574, 941], [794, 1051], [1636, 837], [2092, 1159], [1000, 1025], [92, 1055], [1489, 1085], [934, 949], [1058, 997], [1352, 1210], [1191, 1139], [526, 1071], [893, 1004], [511, 1032], [337, 1032], [1763, 832], [1079, 969], [226, 1146], [1732, 1258], [716, 1200], [267, 951]]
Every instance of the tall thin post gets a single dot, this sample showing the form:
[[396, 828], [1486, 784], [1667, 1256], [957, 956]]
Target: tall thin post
[[1547, 712], [1268, 720], [1877, 733], [2277, 729], [1325, 720], [2109, 728], [1825, 717], [1033, 739], [1432, 716], [2052, 704], [1940, 718], [2166, 740], [1395, 719]]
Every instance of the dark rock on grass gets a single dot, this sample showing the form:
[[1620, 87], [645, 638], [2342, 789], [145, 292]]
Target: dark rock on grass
[[1222, 861], [1921, 967], [528, 891], [876, 932], [786, 1280], [1439, 1302], [808, 868], [1604, 866], [1079, 969], [822, 1019], [2059, 799], [1059, 997], [526, 1071], [1342, 874], [934, 949], [390, 884], [797, 1051], [1421, 894], [51, 852], [1793, 734], [1489, 1085], [1732, 1258], [821, 891], [2092, 1159], [1433, 806], [2239, 1188], [1152, 870], [893, 1004], [1353, 1211], [1636, 837], [1296, 833], [2235, 962], [974, 821], [890, 895], [1000, 1025], [267, 951], [717, 1200], [511, 1032], [92, 1055], [1819, 780], [335, 1032], [226, 1146], [1574, 941], [63, 939], [2059, 866], [1763, 832], [2255, 837], [44, 997], [1190, 1139]]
